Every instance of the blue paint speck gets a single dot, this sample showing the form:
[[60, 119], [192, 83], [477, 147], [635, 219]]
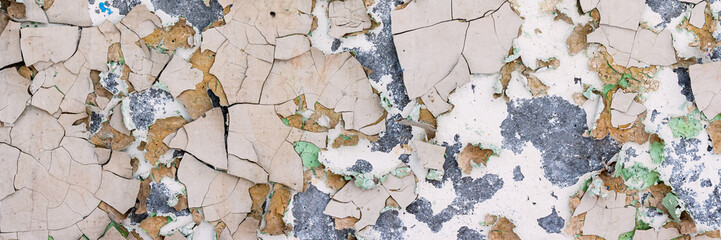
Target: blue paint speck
[[104, 8]]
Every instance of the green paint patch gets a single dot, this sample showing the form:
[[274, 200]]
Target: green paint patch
[[401, 172], [657, 152], [670, 201], [364, 180], [434, 174], [639, 177], [686, 127], [308, 152], [627, 235], [285, 121]]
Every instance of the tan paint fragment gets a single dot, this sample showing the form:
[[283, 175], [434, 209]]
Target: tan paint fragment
[[714, 132], [472, 154], [276, 209]]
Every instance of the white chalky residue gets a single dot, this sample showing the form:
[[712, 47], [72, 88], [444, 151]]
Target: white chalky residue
[[338, 160], [476, 117], [204, 231]]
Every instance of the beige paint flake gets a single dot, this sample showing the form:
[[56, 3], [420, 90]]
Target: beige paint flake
[[119, 164], [118, 192], [347, 17], [651, 48], [9, 160], [661, 234], [606, 217], [36, 131], [179, 76], [431, 156], [338, 209], [73, 12], [212, 39], [624, 110], [33, 175], [141, 21], [401, 189], [33, 13], [93, 48], [698, 17], [229, 67], [260, 126], [47, 99], [706, 86], [246, 170], [490, 38], [13, 95], [418, 14], [197, 177], [291, 46], [237, 200], [48, 44], [247, 230], [289, 17], [472, 9], [22, 211], [206, 139], [629, 44], [10, 44], [93, 226], [442, 42]]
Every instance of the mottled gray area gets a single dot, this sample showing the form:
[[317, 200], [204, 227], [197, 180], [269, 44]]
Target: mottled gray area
[[469, 192], [110, 83], [517, 174], [95, 122], [551, 223], [310, 222], [157, 201], [465, 233], [555, 127], [389, 225], [361, 166], [668, 9], [684, 80], [142, 105], [124, 6], [683, 157], [195, 11]]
